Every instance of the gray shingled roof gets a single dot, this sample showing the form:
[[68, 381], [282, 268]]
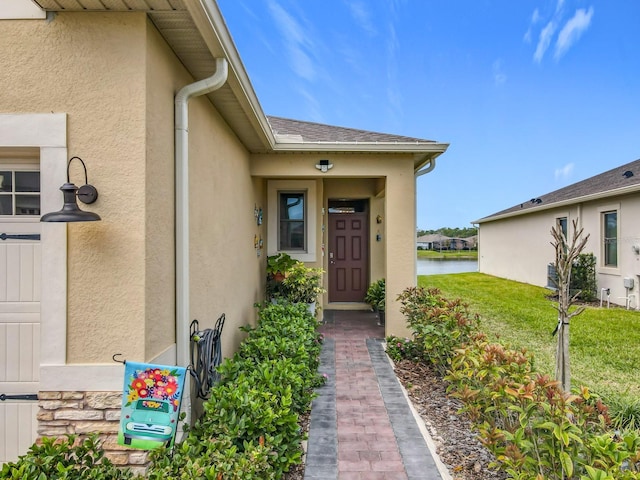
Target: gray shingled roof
[[609, 181], [310, 132]]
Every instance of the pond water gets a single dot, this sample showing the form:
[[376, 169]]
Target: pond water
[[432, 266]]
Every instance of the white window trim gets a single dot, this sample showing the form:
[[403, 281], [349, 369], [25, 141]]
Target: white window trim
[[307, 186], [601, 211]]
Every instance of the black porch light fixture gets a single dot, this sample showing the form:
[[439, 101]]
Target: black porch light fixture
[[70, 211]]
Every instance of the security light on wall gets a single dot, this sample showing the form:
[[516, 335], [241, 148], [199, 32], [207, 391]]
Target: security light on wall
[[70, 211], [324, 166]]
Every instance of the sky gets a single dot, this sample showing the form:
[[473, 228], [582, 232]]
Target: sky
[[531, 95]]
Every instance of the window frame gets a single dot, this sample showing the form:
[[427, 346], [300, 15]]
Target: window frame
[[563, 223], [310, 188], [607, 241], [17, 165], [282, 220]]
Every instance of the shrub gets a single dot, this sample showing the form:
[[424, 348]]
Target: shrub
[[250, 426], [535, 429], [625, 413], [583, 277], [212, 458], [376, 295], [65, 458], [439, 326], [403, 349]]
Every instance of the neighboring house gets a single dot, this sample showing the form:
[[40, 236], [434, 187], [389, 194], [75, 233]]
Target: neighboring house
[[516, 243], [182, 198], [433, 241]]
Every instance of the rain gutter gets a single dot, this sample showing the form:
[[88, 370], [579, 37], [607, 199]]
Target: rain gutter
[[201, 87]]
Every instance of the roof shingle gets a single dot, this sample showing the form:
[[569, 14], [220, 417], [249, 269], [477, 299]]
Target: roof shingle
[[610, 180], [309, 132]]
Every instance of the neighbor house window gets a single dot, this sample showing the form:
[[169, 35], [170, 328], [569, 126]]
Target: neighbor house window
[[19, 192], [291, 220], [562, 223], [610, 228]]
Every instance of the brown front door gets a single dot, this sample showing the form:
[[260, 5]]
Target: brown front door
[[348, 256]]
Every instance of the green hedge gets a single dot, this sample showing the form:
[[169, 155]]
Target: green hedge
[[250, 428]]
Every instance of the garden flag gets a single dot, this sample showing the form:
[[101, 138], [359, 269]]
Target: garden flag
[[150, 405]]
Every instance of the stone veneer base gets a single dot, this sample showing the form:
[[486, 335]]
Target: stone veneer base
[[83, 413]]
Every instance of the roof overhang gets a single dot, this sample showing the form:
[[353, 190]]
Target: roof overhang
[[565, 203], [196, 32]]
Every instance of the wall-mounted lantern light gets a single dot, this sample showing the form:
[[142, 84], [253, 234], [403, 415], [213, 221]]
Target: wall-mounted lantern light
[[324, 166], [70, 211]]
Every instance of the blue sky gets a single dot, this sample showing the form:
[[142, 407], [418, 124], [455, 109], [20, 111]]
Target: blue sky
[[531, 95]]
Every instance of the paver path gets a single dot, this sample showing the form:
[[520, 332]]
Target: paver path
[[361, 423]]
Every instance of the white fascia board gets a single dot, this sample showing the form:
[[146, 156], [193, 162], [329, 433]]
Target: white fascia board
[[573, 201], [361, 147], [216, 30], [21, 10]]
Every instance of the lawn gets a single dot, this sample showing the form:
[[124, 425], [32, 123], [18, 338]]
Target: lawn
[[604, 343]]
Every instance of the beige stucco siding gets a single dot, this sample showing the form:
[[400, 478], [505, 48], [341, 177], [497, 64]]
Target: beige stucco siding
[[520, 253], [92, 66], [226, 271], [628, 208], [396, 251], [164, 76], [519, 248], [401, 247], [116, 79]]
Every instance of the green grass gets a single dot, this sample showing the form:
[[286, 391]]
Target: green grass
[[462, 254], [604, 343]]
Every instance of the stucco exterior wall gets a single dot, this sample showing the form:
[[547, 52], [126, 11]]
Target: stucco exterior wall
[[164, 76], [398, 205], [91, 66], [628, 208], [116, 78], [226, 272], [518, 248]]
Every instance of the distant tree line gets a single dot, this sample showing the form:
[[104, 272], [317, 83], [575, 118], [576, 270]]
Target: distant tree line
[[451, 232]]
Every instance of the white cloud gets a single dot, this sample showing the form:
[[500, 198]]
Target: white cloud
[[499, 77], [544, 41], [297, 42], [572, 31], [535, 18], [362, 17], [564, 172]]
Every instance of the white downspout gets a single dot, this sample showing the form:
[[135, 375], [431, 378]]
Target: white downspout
[[182, 98], [431, 164]]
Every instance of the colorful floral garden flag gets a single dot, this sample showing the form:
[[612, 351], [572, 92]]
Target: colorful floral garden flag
[[150, 405]]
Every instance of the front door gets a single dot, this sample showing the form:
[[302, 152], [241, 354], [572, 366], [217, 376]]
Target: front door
[[348, 256], [20, 264]]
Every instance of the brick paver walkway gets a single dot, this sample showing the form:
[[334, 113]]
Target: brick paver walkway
[[361, 425]]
